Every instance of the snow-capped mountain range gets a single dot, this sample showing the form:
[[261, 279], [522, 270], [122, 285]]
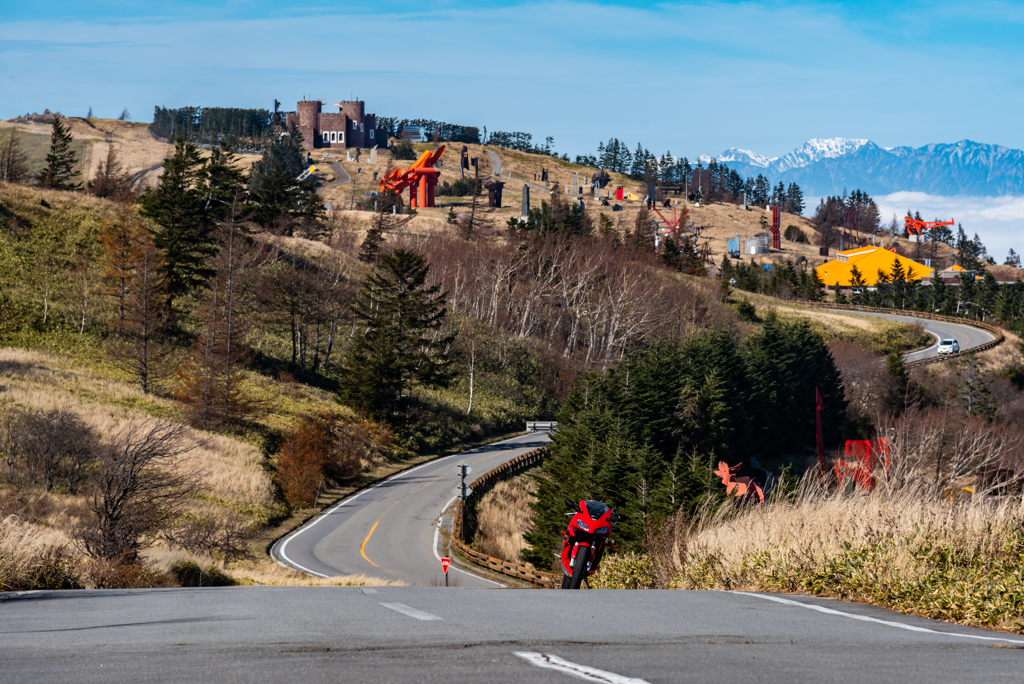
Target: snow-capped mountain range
[[828, 166]]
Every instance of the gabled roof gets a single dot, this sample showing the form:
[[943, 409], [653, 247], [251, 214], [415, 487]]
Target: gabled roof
[[868, 261]]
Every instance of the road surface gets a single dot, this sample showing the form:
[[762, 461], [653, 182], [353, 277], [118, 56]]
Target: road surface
[[390, 529], [340, 176], [450, 636], [966, 335]]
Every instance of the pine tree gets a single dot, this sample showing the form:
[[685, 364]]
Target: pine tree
[[400, 344], [178, 206], [61, 161]]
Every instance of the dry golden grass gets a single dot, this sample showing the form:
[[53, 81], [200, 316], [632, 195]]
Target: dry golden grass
[[503, 514], [232, 470]]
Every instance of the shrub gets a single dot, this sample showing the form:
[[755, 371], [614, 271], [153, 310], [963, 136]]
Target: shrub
[[190, 574], [100, 573], [625, 571], [403, 150], [794, 234], [329, 446]]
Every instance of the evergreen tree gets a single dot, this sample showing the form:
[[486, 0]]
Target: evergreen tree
[[61, 161], [399, 345], [185, 235]]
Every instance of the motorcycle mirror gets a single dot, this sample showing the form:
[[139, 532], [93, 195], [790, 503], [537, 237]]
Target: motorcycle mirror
[[570, 504]]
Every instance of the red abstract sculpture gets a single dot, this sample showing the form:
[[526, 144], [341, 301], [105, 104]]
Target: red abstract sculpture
[[420, 178]]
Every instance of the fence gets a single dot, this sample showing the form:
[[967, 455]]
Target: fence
[[466, 513], [934, 317]]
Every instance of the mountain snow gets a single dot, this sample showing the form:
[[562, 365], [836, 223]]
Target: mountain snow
[[815, 150], [828, 166], [735, 154]]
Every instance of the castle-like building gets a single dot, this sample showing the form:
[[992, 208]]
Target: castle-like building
[[349, 127]]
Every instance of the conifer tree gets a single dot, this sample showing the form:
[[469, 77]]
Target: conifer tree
[[211, 382], [61, 161], [400, 344], [178, 207], [133, 275], [14, 159]]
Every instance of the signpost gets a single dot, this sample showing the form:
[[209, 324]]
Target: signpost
[[445, 562]]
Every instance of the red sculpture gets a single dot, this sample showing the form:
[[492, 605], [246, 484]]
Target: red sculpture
[[420, 178]]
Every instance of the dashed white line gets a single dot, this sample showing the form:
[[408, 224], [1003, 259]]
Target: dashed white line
[[411, 612], [865, 618], [590, 674]]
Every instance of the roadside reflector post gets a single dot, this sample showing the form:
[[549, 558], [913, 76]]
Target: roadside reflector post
[[462, 470], [445, 562]]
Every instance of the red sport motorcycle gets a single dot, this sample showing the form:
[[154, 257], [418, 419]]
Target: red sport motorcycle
[[585, 540]]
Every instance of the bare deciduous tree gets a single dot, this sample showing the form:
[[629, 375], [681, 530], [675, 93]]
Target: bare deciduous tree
[[140, 487]]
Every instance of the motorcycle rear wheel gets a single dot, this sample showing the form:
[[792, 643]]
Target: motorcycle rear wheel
[[579, 568]]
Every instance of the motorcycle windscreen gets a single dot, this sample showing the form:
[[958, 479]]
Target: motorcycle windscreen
[[595, 509]]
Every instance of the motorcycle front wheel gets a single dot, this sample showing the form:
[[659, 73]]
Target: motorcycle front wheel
[[566, 580], [579, 568]]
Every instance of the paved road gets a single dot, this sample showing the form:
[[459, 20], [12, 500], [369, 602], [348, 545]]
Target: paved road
[[340, 174], [390, 530], [424, 634], [966, 335]]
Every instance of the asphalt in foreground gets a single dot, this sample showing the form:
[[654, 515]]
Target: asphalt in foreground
[[419, 634]]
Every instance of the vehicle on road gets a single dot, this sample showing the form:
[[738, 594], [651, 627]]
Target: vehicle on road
[[583, 545], [947, 347]]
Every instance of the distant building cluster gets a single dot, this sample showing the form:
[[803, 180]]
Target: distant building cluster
[[349, 127]]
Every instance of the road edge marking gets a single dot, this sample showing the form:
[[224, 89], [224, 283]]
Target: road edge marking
[[866, 618], [433, 547], [590, 674]]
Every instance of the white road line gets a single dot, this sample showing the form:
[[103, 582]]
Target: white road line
[[433, 547], [591, 674], [330, 511], [411, 612], [865, 618]]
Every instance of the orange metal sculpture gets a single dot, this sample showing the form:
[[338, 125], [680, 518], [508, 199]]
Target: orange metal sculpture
[[914, 227], [420, 178]]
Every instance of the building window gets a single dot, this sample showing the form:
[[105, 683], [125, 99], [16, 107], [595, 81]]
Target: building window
[[371, 134], [334, 136], [341, 136], [327, 137], [360, 127], [354, 125]]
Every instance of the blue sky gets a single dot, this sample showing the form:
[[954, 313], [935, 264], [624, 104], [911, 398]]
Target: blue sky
[[690, 77]]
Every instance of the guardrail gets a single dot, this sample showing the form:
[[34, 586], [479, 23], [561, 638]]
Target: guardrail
[[998, 332], [534, 425], [480, 486]]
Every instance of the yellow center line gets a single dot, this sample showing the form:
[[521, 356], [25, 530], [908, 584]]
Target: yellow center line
[[362, 549]]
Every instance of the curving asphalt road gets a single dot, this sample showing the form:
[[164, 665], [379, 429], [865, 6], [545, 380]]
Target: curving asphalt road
[[450, 636], [966, 335], [390, 530]]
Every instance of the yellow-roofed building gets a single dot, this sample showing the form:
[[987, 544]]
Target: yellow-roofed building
[[868, 261]]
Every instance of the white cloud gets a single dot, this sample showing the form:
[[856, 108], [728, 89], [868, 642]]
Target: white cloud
[[999, 221]]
